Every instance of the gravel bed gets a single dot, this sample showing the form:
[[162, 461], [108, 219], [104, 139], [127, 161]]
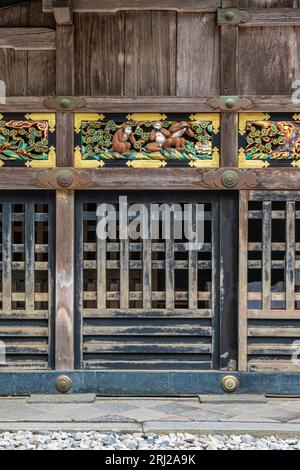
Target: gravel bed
[[24, 440]]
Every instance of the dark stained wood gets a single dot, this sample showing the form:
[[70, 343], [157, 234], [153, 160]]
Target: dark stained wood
[[229, 60], [228, 280], [150, 54], [229, 140], [94, 6], [64, 344], [39, 39], [197, 55]]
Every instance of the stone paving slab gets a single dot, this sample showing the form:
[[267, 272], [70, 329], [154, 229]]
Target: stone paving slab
[[233, 398], [115, 411], [68, 398]]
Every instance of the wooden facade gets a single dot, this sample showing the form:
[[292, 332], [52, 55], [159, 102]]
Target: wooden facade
[[112, 316]]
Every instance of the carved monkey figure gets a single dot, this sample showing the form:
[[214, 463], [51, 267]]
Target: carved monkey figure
[[177, 131], [123, 139], [158, 137]]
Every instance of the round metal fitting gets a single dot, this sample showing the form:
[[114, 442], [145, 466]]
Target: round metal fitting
[[230, 179], [63, 384], [230, 383], [64, 102], [230, 103], [229, 15], [64, 178]]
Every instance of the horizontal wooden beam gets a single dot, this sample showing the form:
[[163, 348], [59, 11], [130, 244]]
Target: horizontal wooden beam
[[259, 17], [167, 104], [94, 6], [28, 39], [152, 179]]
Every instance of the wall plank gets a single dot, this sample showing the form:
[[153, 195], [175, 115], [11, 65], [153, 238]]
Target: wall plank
[[27, 72], [266, 64], [150, 53], [99, 57], [197, 55]]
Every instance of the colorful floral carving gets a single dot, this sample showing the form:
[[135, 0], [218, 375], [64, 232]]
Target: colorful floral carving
[[26, 142], [273, 141]]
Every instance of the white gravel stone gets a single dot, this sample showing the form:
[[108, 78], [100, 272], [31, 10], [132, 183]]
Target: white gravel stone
[[113, 441]]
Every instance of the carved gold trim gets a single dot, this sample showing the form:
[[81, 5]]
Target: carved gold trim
[[80, 163], [1, 116], [50, 117], [146, 163], [146, 117], [243, 163], [1, 163], [296, 163], [213, 117], [296, 117], [246, 117], [83, 117], [214, 163], [49, 163]]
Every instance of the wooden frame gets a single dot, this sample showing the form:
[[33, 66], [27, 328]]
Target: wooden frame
[[94, 6]]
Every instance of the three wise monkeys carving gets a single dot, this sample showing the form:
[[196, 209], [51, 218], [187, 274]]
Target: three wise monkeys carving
[[160, 137]]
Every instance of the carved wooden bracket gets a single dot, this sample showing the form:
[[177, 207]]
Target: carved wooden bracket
[[230, 103], [64, 103], [64, 178], [229, 178], [232, 16]]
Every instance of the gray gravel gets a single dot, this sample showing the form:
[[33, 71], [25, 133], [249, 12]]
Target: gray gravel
[[25, 440]]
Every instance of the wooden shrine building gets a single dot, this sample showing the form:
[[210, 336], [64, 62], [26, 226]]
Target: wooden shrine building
[[191, 102]]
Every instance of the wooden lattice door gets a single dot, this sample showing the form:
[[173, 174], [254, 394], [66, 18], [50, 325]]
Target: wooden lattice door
[[269, 307], [27, 279], [146, 303]]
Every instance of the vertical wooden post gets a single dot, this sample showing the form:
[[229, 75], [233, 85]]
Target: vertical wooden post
[[229, 201], [243, 280], [65, 223], [64, 357]]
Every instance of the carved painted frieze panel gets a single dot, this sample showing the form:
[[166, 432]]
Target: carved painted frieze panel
[[147, 140], [269, 140], [27, 140]]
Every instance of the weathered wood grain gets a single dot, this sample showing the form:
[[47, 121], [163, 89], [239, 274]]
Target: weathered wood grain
[[63, 12], [168, 104], [94, 6], [266, 62], [24, 39], [150, 54], [100, 52], [263, 17], [243, 280], [64, 345], [197, 55]]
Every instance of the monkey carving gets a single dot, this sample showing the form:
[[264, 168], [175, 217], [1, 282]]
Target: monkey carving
[[123, 139], [158, 137], [177, 131]]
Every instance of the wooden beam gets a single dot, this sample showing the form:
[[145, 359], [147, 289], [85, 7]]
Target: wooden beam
[[150, 179], [64, 324], [63, 12], [28, 39], [259, 17], [94, 6], [167, 104]]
